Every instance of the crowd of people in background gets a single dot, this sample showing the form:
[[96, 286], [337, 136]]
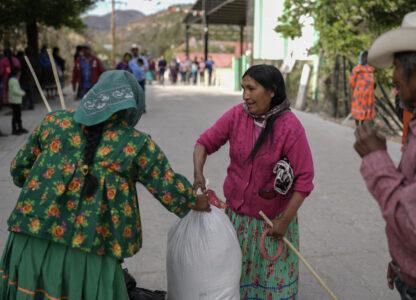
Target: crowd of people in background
[[185, 71], [87, 69]]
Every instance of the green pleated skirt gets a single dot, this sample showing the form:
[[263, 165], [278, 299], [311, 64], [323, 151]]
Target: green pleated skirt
[[260, 278], [36, 269]]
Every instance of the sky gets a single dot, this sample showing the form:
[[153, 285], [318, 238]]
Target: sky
[[145, 6]]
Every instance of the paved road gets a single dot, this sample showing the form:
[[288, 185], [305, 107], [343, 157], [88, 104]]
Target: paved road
[[342, 232]]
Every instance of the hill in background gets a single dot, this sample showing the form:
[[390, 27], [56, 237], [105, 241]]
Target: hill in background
[[103, 23], [158, 34]]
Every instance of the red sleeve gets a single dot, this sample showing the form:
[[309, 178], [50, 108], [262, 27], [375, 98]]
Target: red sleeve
[[100, 68], [216, 136], [396, 198]]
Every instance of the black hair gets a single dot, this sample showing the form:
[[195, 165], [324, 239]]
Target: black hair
[[55, 51], [127, 53], [408, 61], [93, 134], [140, 61], [270, 78]]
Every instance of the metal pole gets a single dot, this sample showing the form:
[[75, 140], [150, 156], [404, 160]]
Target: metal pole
[[205, 24], [241, 40], [113, 35], [187, 41]]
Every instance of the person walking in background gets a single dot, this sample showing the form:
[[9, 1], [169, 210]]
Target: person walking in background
[[87, 70], [150, 73], [142, 78], [138, 70], [362, 84], [26, 79], [60, 65], [174, 69], [78, 52], [394, 187], [194, 70], [202, 71], [136, 55], [210, 67], [188, 70], [47, 80], [124, 63], [183, 70], [144, 66], [254, 179], [162, 69], [15, 94], [6, 64], [82, 168]]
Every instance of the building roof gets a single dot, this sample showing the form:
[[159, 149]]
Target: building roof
[[231, 12]]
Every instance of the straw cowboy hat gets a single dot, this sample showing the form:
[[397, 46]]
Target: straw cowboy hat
[[382, 51]]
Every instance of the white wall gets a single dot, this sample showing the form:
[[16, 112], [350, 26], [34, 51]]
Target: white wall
[[268, 44]]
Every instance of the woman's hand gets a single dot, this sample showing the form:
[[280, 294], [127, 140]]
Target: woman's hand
[[279, 228], [199, 182], [202, 203]]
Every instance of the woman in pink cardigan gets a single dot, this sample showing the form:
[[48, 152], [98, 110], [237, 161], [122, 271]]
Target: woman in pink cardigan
[[270, 169]]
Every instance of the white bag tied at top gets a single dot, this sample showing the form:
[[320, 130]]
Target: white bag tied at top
[[203, 258]]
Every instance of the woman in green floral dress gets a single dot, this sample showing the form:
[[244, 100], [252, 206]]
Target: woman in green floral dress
[[77, 216]]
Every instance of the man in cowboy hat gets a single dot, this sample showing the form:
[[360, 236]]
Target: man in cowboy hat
[[395, 188], [136, 55]]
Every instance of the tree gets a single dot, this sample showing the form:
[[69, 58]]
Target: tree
[[54, 13], [345, 28]]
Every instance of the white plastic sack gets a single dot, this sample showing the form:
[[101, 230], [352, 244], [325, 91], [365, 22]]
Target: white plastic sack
[[203, 258]]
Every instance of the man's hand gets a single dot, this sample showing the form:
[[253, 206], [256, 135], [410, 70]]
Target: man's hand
[[202, 203], [368, 140]]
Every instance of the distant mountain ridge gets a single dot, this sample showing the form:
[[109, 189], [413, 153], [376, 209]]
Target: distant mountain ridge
[[103, 23], [159, 34]]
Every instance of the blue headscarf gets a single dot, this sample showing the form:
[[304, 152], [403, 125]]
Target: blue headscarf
[[360, 57]]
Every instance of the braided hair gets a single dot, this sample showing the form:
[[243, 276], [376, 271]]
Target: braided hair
[[93, 134], [271, 79]]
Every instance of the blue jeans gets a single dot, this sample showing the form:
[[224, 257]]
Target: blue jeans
[[406, 292]]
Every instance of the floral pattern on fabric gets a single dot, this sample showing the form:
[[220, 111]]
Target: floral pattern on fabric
[[260, 278], [362, 83], [51, 205]]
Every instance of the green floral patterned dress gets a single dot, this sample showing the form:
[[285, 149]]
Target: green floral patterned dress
[[51, 206]]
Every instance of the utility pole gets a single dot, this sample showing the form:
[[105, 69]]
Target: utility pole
[[205, 25], [187, 41], [113, 34]]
